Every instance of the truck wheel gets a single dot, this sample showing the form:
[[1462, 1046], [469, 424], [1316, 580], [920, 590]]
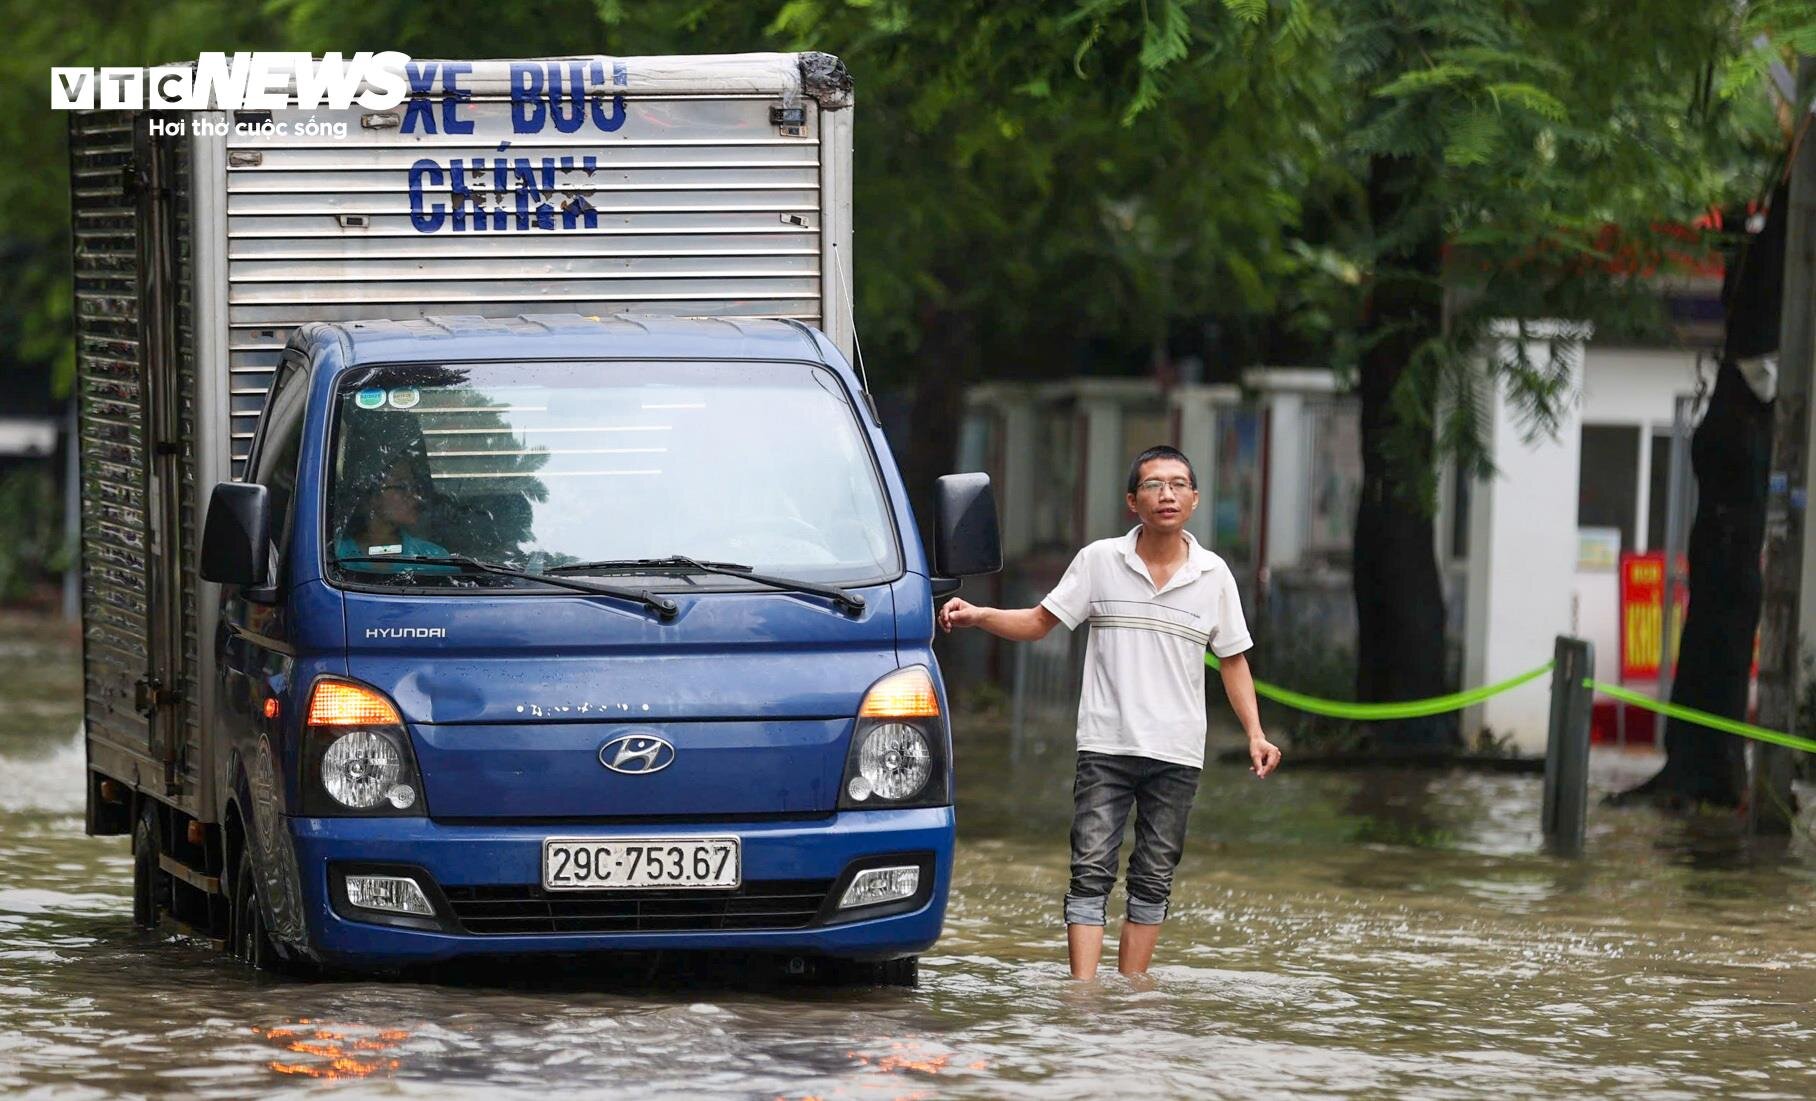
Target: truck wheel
[[247, 939], [150, 891], [899, 972], [903, 972]]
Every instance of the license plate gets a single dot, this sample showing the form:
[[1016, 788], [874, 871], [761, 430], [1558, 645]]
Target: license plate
[[590, 863]]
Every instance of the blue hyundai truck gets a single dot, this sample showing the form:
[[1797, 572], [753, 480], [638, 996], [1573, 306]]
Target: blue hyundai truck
[[460, 584]]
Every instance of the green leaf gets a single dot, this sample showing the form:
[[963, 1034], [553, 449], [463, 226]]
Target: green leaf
[[1471, 138], [1446, 75], [1488, 58], [1166, 40], [1246, 277], [1531, 97]]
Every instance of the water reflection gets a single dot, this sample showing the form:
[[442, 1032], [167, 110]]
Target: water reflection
[[1383, 933], [1397, 808], [333, 1051]]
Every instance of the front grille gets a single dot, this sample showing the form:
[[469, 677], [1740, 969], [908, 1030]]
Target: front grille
[[527, 908]]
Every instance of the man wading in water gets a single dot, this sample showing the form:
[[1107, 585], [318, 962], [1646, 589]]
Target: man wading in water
[[1155, 600]]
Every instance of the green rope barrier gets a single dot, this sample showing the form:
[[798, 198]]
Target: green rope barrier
[[1397, 709], [1456, 701], [1703, 718]]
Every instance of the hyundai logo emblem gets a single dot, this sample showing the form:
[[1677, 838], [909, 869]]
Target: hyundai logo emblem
[[637, 754]]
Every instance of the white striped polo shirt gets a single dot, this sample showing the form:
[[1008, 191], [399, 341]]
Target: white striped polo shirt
[[1143, 692]]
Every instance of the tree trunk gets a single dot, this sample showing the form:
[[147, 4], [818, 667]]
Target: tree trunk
[[1399, 598], [1729, 454]]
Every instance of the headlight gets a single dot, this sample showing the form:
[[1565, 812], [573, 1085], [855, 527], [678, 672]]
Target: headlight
[[894, 762], [361, 768], [899, 748], [357, 758]]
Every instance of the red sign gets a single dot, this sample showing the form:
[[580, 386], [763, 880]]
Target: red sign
[[1642, 615], [1642, 603]]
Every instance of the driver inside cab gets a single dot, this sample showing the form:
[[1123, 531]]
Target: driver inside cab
[[386, 518]]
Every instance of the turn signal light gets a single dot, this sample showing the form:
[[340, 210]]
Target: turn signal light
[[338, 703], [903, 694]]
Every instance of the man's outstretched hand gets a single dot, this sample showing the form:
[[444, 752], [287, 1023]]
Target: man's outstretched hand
[[1265, 755], [958, 613]]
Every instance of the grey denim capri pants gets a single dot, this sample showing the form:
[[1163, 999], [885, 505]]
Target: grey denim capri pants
[[1107, 787]]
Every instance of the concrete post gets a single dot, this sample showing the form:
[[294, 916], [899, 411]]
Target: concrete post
[[1286, 479], [1104, 472], [1195, 407], [1019, 472], [1567, 748]]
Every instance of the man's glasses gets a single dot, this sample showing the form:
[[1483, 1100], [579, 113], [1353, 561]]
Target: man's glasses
[[1152, 485], [411, 488]]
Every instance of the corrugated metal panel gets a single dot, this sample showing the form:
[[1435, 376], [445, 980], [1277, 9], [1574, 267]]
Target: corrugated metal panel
[[694, 205], [139, 522], [189, 489], [110, 385]]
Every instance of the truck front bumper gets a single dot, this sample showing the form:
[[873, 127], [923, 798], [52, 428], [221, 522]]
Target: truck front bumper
[[470, 869]]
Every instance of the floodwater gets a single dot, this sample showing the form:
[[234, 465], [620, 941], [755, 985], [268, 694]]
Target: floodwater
[[1377, 935]]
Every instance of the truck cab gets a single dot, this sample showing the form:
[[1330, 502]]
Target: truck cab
[[564, 634]]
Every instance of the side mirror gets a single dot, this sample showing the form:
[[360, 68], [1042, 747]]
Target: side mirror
[[236, 538], [966, 541]]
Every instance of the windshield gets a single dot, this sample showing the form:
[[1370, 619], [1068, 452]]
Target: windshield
[[541, 465]]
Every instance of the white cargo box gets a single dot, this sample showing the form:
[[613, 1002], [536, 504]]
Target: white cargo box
[[679, 186]]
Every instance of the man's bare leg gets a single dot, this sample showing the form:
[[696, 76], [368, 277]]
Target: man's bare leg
[[1135, 947], [1084, 946]]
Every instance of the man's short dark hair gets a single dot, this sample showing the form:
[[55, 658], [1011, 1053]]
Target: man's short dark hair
[[1161, 451]]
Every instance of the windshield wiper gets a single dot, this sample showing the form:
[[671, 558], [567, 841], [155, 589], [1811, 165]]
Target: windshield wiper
[[845, 598], [665, 607], [674, 563]]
